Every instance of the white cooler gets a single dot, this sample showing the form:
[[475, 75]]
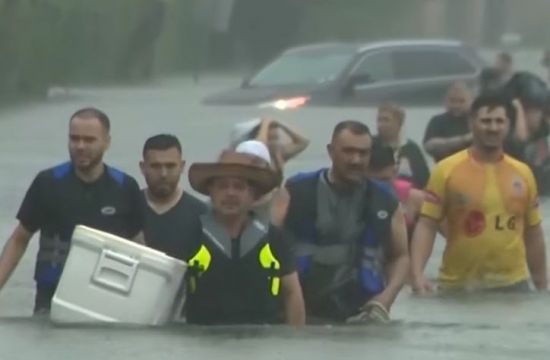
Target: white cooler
[[110, 279]]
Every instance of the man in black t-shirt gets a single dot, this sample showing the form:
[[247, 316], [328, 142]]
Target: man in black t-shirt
[[83, 191], [171, 215], [242, 269], [449, 132]]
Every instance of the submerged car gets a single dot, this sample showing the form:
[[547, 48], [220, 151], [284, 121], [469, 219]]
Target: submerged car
[[416, 72]]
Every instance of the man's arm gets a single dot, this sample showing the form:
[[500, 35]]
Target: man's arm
[[295, 313], [298, 142], [421, 250], [263, 131], [31, 216], [398, 264], [536, 256], [534, 236], [414, 203], [439, 147], [521, 131], [13, 251], [432, 213]]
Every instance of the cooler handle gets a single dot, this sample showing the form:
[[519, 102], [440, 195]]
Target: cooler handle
[[115, 271]]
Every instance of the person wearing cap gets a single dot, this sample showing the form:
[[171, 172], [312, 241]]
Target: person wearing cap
[[349, 234], [241, 270]]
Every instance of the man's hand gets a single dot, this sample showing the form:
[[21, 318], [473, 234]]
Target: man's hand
[[421, 285], [422, 246], [535, 247], [372, 312]]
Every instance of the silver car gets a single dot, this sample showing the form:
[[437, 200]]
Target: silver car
[[416, 72]]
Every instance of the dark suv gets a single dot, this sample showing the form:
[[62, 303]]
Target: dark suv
[[407, 71]]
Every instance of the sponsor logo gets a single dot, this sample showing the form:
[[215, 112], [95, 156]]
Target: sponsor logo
[[382, 214], [536, 203], [108, 210], [505, 222], [517, 186], [475, 223]]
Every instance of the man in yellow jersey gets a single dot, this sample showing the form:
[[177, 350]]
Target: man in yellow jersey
[[490, 203]]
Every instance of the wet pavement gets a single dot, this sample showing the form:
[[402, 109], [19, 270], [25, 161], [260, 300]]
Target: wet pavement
[[34, 137]]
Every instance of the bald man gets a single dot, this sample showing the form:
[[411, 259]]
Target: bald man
[[449, 132]]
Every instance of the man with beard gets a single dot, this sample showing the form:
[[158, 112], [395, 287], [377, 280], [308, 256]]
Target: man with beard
[[349, 234], [490, 203], [83, 191], [170, 212]]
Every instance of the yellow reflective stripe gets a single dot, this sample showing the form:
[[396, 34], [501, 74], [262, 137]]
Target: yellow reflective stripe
[[201, 260], [269, 262], [275, 286], [267, 259], [200, 263]]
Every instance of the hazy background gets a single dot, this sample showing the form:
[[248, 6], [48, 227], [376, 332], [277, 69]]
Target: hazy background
[[134, 59], [45, 43]]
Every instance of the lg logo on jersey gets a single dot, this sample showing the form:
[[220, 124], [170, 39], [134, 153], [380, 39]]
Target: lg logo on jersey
[[503, 222], [475, 223]]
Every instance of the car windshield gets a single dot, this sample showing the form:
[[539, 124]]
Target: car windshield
[[305, 67]]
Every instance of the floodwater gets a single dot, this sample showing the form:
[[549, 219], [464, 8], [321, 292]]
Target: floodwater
[[34, 137]]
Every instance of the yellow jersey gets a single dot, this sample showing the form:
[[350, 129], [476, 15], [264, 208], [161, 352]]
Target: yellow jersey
[[487, 208]]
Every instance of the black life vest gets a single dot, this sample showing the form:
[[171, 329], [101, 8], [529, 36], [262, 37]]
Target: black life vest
[[227, 288]]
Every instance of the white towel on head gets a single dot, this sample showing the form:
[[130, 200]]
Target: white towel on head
[[254, 148]]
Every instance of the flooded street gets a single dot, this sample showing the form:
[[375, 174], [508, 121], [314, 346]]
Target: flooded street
[[34, 137]]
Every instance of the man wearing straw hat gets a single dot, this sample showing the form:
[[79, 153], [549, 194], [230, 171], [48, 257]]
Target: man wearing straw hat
[[241, 266]]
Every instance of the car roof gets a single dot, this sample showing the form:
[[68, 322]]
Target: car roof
[[323, 46], [406, 43], [374, 45]]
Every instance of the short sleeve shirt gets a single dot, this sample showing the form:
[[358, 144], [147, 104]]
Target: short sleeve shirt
[[58, 200], [446, 125], [487, 208], [174, 231]]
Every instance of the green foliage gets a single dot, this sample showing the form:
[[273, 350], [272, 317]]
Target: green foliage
[[57, 42]]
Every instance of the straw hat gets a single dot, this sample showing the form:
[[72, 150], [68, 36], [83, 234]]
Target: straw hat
[[233, 164]]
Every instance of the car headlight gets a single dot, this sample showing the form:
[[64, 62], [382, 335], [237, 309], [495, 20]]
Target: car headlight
[[286, 104]]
